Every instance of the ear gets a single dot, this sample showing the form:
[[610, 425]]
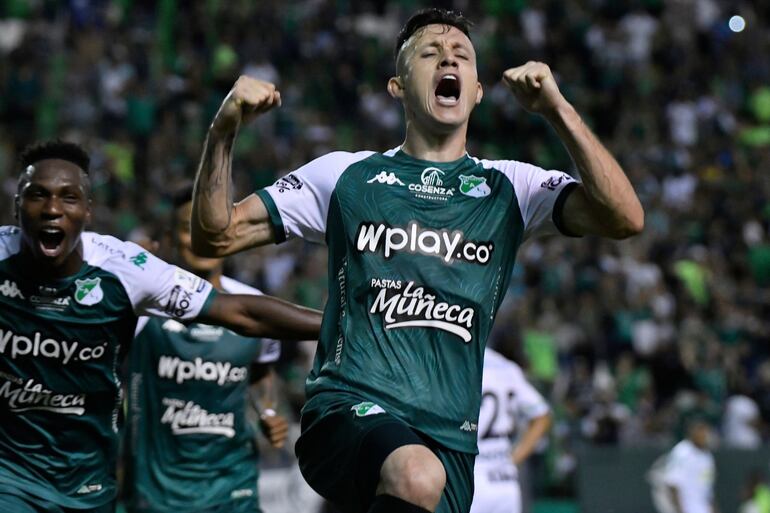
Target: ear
[[88, 213], [396, 88], [479, 92], [16, 206]]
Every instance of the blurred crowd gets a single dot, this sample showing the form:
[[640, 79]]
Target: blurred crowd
[[629, 339]]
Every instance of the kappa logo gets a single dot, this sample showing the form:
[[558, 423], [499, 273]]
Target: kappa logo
[[432, 185], [139, 260], [366, 408], [386, 178], [9, 289], [89, 291], [474, 186]]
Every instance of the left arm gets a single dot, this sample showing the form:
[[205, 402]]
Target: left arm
[[536, 430], [606, 203], [263, 316]]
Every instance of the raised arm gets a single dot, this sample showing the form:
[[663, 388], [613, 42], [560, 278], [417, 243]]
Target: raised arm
[[218, 226], [605, 204], [263, 316]]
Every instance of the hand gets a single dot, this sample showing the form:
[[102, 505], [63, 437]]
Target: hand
[[534, 87], [274, 427], [247, 99]]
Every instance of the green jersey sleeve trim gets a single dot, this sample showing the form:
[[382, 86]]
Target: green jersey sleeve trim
[[558, 209], [275, 216], [207, 303]]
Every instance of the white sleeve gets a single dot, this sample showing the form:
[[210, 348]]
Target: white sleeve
[[530, 403], [270, 351], [298, 203], [677, 471], [540, 194], [166, 290], [154, 287]]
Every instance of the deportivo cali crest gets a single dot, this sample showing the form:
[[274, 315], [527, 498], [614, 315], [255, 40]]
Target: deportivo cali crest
[[89, 291], [366, 408], [474, 186]]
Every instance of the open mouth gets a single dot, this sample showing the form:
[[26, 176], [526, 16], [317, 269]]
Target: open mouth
[[51, 240], [448, 90]]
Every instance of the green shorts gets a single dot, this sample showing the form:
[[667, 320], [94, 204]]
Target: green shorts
[[13, 500], [342, 449]]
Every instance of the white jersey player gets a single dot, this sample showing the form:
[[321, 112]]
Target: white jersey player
[[683, 479], [510, 406]]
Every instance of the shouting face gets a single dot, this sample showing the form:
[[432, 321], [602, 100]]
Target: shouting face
[[437, 79], [53, 208]]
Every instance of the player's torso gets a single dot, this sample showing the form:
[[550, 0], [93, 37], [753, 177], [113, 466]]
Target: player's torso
[[187, 418], [60, 343], [421, 255]]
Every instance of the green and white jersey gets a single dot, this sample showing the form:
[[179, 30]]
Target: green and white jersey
[[420, 256], [61, 343], [189, 443]]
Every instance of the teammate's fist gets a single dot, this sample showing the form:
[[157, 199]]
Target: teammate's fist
[[274, 427], [248, 98], [534, 87]]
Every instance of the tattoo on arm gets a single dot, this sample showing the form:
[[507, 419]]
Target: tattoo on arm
[[212, 209]]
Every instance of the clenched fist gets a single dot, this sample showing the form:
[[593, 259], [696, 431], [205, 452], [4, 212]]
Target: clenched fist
[[248, 98], [274, 427], [534, 87]]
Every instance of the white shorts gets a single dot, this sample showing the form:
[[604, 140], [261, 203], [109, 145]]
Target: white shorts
[[496, 497]]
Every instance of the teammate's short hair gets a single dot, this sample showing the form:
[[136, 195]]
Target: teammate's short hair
[[431, 16], [55, 149]]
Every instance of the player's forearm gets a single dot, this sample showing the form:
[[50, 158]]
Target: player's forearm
[[536, 430], [611, 196], [212, 198], [267, 316]]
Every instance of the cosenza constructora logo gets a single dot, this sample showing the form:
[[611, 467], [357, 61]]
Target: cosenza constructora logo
[[449, 246]]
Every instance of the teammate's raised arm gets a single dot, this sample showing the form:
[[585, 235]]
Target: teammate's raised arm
[[220, 227], [263, 316], [605, 204]]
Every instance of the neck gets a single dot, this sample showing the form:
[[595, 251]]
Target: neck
[[45, 270], [437, 147]]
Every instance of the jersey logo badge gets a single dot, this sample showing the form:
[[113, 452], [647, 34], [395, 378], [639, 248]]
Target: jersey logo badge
[[89, 291], [139, 260], [474, 186], [386, 178], [468, 426], [9, 289], [366, 408], [555, 181], [432, 185]]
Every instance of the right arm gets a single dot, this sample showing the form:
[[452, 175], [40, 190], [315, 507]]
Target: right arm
[[218, 226], [536, 430]]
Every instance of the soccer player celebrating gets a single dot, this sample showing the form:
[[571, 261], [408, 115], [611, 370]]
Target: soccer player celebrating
[[508, 402], [422, 241], [189, 443], [69, 302]]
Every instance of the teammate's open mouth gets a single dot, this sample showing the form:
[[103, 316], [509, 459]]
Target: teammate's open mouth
[[51, 240], [448, 90]]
